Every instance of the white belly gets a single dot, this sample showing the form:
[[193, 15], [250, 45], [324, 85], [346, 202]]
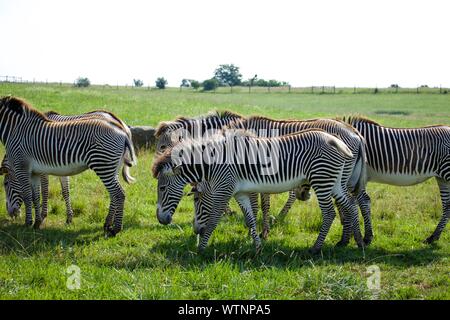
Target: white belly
[[249, 186], [397, 179], [72, 169]]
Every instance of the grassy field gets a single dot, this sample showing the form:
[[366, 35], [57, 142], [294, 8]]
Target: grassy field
[[151, 261]]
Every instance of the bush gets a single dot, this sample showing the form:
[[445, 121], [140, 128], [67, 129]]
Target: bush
[[138, 83], [210, 84], [161, 83], [82, 82], [195, 84]]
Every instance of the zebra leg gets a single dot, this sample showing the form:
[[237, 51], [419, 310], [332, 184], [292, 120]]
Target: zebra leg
[[254, 203], [444, 188], [117, 199], [364, 204], [36, 195], [214, 217], [27, 194], [44, 191], [347, 203], [117, 196], [290, 201], [265, 206], [246, 207], [65, 190], [328, 215]]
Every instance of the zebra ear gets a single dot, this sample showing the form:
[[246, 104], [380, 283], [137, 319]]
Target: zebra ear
[[3, 171]]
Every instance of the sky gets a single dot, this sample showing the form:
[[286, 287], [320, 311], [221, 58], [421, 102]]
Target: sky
[[317, 42]]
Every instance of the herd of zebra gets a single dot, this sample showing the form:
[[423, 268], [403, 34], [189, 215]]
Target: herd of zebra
[[223, 155]]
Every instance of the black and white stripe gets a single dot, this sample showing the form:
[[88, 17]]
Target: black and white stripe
[[13, 187], [406, 156], [312, 156], [36, 145]]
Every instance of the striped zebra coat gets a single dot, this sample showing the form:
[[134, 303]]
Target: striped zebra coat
[[13, 188], [238, 171], [354, 172], [406, 156], [36, 145]]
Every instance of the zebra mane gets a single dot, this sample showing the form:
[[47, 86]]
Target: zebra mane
[[107, 112], [18, 106], [164, 126], [357, 118], [52, 113], [161, 161]]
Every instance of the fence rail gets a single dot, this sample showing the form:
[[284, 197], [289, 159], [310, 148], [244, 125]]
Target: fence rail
[[255, 89]]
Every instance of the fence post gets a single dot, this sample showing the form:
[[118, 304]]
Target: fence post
[[323, 89], [312, 89], [354, 89], [289, 88], [334, 89]]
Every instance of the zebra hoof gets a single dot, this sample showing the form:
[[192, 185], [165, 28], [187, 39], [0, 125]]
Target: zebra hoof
[[264, 235], [69, 221], [314, 251], [109, 232], [28, 224], [368, 240], [37, 225], [342, 243], [431, 239]]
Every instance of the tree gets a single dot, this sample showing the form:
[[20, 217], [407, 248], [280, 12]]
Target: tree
[[210, 84], [195, 84], [161, 83], [82, 82], [185, 83], [138, 83], [228, 74]]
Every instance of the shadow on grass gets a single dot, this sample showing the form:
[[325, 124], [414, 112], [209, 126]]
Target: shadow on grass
[[180, 248]]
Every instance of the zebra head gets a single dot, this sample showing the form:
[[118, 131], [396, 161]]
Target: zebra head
[[167, 135], [170, 191], [12, 192]]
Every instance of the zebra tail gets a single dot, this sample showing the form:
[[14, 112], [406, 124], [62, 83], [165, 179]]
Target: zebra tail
[[340, 146], [360, 168], [129, 161]]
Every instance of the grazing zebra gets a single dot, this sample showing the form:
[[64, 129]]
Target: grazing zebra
[[36, 145], [406, 156], [13, 188], [234, 164], [169, 133], [355, 167]]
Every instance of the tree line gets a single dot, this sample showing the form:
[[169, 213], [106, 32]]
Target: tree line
[[224, 75]]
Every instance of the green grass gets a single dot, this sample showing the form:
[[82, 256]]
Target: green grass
[[151, 261]]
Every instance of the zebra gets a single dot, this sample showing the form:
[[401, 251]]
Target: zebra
[[13, 188], [406, 156], [36, 145], [169, 133], [311, 155], [355, 167]]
